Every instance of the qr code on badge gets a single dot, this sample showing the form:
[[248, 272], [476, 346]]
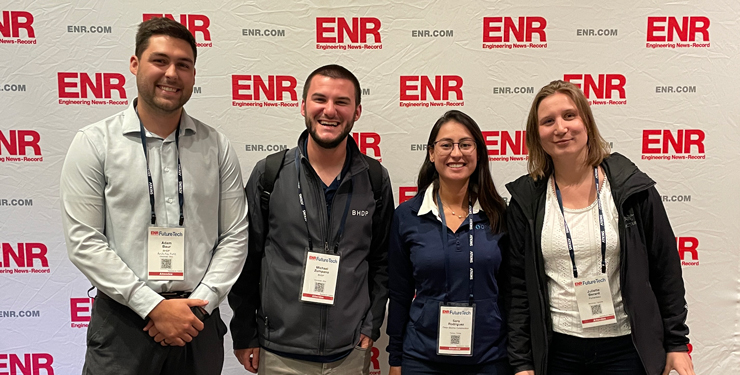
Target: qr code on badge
[[318, 287], [596, 309], [166, 264], [455, 339]]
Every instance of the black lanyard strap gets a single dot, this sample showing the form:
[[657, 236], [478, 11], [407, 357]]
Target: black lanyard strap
[[567, 230], [447, 256], [305, 212], [181, 195]]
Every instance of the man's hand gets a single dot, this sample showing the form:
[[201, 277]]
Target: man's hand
[[365, 342], [173, 323], [528, 372], [395, 370], [249, 358], [679, 361]]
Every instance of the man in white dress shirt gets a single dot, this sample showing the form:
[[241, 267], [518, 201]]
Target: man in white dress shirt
[[155, 216]]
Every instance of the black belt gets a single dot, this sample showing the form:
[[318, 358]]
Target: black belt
[[166, 295]]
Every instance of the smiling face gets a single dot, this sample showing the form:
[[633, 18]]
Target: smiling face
[[330, 110], [165, 74], [563, 135], [454, 165]]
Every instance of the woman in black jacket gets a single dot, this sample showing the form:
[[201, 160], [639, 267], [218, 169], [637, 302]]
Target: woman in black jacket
[[596, 277]]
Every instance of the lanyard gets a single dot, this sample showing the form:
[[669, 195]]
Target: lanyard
[[601, 226], [149, 173], [444, 244], [305, 215]]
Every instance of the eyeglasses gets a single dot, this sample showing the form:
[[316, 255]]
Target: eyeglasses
[[445, 146]]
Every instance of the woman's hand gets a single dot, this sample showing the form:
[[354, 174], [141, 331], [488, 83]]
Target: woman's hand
[[528, 372], [396, 370], [679, 361]]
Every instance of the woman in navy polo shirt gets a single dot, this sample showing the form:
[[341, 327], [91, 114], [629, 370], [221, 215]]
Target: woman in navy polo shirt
[[445, 261]]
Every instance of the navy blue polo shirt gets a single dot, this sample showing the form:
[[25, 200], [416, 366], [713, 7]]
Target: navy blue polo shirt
[[419, 282]]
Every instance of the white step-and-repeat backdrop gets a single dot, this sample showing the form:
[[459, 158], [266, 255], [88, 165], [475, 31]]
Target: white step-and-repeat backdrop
[[662, 78]]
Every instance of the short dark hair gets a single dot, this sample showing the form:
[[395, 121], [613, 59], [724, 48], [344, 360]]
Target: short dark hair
[[336, 72], [162, 26], [480, 185]]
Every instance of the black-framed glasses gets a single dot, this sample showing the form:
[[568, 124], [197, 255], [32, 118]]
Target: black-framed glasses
[[445, 146]]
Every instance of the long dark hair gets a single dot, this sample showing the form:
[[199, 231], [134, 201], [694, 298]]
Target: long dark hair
[[480, 185]]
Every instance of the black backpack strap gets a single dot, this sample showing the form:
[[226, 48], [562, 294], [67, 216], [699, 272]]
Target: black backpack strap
[[273, 165], [375, 170]]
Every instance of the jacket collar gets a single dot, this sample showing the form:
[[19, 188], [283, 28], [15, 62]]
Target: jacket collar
[[624, 177], [357, 161]]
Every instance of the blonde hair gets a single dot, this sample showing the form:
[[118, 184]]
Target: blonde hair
[[540, 164]]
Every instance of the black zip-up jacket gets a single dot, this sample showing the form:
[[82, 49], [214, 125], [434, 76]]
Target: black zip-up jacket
[[650, 270], [266, 297]]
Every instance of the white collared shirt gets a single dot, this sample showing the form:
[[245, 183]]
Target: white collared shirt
[[428, 204]]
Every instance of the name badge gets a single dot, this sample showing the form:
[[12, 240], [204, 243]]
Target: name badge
[[166, 253], [320, 278], [595, 301], [455, 335]]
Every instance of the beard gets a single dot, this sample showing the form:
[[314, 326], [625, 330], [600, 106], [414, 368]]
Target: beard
[[146, 93], [330, 143]]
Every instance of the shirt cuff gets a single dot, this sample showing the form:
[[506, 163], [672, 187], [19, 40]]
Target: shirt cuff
[[143, 301], [205, 293]]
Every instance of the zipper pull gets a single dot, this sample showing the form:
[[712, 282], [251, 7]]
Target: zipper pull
[[326, 247]]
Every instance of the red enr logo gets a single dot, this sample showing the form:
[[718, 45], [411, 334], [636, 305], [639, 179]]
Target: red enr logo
[[405, 193], [154, 233], [196, 23], [335, 29], [30, 363], [506, 142], [312, 257], [663, 141], [685, 29], [272, 87], [445, 311], [422, 87], [688, 250], [16, 142], [367, 141], [25, 256], [101, 87], [14, 21], [522, 29], [80, 309], [374, 362], [578, 283], [603, 87]]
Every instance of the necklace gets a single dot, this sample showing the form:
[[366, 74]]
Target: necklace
[[453, 212], [458, 216]]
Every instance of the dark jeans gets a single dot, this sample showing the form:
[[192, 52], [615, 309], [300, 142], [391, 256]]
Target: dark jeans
[[117, 344], [413, 366], [571, 355]]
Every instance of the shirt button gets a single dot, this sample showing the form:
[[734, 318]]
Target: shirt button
[[166, 169], [169, 200]]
